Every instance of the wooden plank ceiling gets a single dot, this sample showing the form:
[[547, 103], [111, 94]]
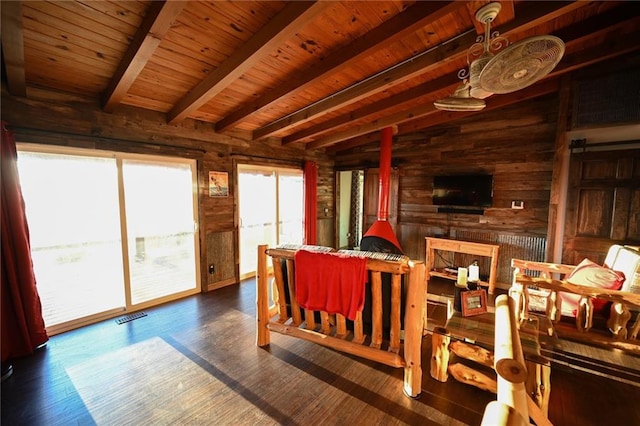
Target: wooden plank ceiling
[[326, 74]]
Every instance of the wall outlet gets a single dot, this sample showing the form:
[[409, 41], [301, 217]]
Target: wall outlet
[[516, 204]]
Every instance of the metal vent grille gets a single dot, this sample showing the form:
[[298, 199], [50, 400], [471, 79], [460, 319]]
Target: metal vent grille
[[131, 317], [511, 246], [607, 100]]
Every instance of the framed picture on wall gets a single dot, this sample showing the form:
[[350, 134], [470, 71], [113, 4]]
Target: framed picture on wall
[[218, 184], [473, 302]]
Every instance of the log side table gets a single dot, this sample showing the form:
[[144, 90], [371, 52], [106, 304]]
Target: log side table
[[472, 338]]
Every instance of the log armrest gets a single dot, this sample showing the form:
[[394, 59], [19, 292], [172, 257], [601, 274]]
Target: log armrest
[[552, 280]]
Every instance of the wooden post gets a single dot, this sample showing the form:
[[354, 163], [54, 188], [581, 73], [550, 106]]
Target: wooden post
[[516, 292], [413, 327], [291, 282], [636, 328], [497, 413], [262, 297], [281, 302], [341, 326], [510, 365], [358, 331], [509, 361], [538, 385], [554, 306], [310, 319], [584, 316], [440, 354], [376, 309], [493, 270], [394, 337], [619, 316]]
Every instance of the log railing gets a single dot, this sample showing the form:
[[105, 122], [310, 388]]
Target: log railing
[[332, 330]]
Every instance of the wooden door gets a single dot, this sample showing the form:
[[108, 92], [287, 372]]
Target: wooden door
[[371, 194], [603, 204]]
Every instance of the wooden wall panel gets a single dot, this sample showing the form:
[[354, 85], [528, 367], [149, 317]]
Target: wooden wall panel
[[515, 144], [220, 249]]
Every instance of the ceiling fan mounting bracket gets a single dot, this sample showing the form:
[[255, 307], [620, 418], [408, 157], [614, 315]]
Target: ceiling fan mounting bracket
[[488, 12]]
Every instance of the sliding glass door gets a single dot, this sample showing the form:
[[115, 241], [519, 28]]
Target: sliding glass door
[[71, 204], [271, 210], [109, 233], [159, 212]]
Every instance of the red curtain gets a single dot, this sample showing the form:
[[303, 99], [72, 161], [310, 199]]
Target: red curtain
[[310, 202], [23, 327]]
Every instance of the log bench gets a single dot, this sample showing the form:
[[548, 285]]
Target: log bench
[[397, 347]]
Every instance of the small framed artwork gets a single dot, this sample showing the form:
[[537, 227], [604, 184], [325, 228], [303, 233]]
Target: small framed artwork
[[473, 302], [218, 184]]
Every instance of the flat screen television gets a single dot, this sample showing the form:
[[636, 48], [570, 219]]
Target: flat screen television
[[463, 190]]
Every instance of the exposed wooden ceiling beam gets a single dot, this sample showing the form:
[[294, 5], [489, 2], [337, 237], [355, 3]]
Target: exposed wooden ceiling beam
[[13, 47], [579, 33], [374, 108], [436, 117], [155, 25], [394, 29], [616, 46], [279, 29], [428, 61], [543, 88]]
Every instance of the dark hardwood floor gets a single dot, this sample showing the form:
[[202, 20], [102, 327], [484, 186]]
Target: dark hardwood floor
[[195, 361]]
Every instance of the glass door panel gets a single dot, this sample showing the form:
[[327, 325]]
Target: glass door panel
[[290, 207], [257, 206], [159, 207], [74, 224], [271, 210]]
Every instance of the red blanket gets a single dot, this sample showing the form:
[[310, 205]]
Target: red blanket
[[331, 282]]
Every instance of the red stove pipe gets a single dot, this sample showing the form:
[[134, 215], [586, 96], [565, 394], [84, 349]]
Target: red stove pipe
[[386, 136], [382, 228]]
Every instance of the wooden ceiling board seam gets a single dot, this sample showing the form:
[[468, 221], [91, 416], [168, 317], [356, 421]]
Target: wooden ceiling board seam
[[122, 11], [245, 15], [74, 16], [52, 36], [35, 17], [180, 64], [95, 18], [134, 6], [182, 45], [200, 29], [92, 66], [60, 79], [211, 47], [165, 79], [134, 100], [13, 53], [39, 39]]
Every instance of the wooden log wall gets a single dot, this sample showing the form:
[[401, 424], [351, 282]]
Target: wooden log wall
[[515, 144], [68, 120]]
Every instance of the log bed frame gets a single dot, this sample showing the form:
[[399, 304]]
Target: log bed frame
[[332, 331]]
